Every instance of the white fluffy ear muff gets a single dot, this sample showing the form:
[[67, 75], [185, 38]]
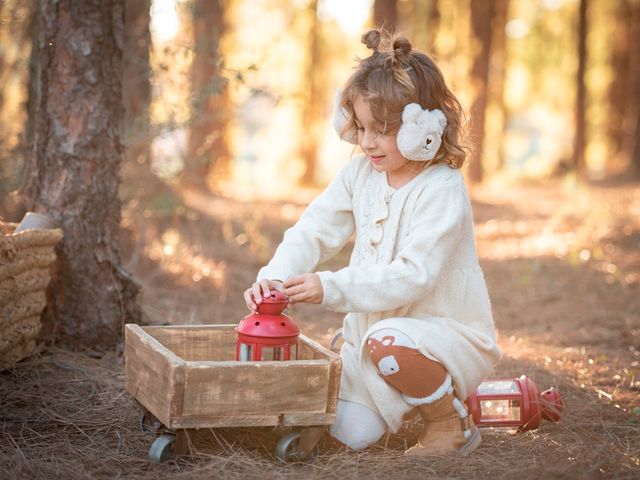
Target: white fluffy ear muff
[[420, 134], [340, 120]]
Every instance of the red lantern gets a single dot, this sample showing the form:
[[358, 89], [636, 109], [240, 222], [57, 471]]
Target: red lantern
[[268, 334], [514, 403]]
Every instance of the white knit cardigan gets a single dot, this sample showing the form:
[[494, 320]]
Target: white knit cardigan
[[414, 267]]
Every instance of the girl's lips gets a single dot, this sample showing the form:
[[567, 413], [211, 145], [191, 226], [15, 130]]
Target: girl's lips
[[376, 159]]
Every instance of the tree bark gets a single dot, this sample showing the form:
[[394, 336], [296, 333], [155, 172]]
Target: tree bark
[[313, 104], [581, 92], [207, 146], [497, 73], [136, 86], [631, 127], [619, 88], [385, 14], [482, 13], [76, 159], [433, 25]]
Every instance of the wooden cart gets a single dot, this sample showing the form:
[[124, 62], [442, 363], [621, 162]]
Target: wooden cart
[[187, 377]]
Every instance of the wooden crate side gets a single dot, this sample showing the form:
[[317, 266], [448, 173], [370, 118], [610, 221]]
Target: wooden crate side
[[310, 349], [334, 385], [246, 388], [197, 342], [212, 421], [154, 375], [305, 419]]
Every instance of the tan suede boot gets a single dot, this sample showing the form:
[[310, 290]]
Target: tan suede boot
[[444, 429]]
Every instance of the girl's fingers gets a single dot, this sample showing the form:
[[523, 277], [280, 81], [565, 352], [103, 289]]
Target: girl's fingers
[[248, 300], [294, 292], [290, 282], [257, 294], [266, 289]]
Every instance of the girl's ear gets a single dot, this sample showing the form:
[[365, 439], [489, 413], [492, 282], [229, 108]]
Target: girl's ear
[[411, 112], [340, 119], [420, 134]]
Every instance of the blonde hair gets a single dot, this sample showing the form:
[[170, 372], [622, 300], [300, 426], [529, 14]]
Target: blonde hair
[[392, 77]]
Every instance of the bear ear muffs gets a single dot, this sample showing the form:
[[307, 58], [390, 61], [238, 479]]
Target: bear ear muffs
[[340, 119], [420, 134]]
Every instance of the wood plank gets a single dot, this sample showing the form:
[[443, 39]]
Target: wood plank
[[153, 374], [318, 350], [213, 421], [236, 388], [334, 385], [197, 342], [308, 418]]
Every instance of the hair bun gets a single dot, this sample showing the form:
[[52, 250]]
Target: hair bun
[[372, 39], [401, 47]]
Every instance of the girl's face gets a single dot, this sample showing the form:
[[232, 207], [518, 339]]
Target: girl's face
[[381, 149]]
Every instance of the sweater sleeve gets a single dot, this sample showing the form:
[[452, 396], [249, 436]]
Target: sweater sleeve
[[323, 229], [435, 231]]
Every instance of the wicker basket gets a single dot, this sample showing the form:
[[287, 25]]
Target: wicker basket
[[25, 258]]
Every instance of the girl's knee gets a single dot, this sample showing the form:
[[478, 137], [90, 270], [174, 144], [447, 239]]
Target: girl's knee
[[404, 367], [357, 426]]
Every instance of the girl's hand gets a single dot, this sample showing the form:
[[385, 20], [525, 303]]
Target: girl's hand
[[254, 295], [305, 288]]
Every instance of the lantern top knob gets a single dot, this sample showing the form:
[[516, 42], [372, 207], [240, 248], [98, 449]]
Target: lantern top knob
[[274, 304]]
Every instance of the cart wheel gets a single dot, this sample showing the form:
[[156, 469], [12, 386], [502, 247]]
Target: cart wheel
[[287, 449], [162, 448], [149, 423]]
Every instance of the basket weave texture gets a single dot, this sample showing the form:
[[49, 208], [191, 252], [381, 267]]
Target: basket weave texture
[[25, 258]]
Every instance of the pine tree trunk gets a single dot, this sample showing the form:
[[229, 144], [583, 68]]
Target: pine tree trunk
[[76, 160], [136, 86], [581, 92], [497, 73], [619, 87], [207, 145], [385, 14], [433, 25], [313, 104], [631, 140], [482, 13]]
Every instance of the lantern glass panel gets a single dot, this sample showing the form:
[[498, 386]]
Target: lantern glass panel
[[246, 352], [503, 410], [277, 353], [293, 352], [496, 387]]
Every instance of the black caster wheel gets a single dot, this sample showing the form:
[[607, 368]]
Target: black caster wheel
[[162, 449], [288, 450], [149, 424]]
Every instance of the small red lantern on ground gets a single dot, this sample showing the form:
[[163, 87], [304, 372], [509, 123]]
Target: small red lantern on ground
[[268, 334], [514, 403]]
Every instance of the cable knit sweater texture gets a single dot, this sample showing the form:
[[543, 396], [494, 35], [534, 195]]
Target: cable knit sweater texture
[[413, 267]]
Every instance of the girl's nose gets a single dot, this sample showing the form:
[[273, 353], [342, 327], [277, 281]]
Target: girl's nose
[[368, 141]]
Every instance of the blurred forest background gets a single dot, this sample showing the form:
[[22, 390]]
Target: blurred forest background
[[236, 95]]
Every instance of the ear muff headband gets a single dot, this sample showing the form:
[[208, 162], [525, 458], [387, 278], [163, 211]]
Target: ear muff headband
[[419, 136]]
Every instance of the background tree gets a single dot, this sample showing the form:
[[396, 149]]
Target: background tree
[[385, 14], [136, 86], [482, 14], [207, 147], [631, 143], [75, 164], [581, 91], [312, 105]]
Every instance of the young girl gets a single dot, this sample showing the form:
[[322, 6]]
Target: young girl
[[418, 331]]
